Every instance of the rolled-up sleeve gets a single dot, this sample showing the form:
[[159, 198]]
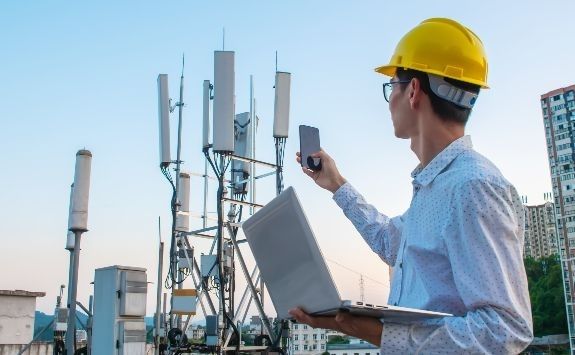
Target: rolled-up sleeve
[[483, 238], [381, 233]]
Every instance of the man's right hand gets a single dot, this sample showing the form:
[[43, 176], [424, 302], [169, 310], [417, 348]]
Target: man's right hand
[[328, 177]]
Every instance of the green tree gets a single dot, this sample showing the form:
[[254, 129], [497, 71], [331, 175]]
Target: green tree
[[338, 339], [546, 294]]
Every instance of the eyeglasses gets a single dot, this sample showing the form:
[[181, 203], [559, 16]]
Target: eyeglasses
[[388, 88]]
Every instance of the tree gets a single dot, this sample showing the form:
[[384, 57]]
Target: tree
[[338, 339], [546, 294]]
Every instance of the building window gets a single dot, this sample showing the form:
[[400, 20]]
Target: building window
[[315, 337], [296, 347], [305, 337], [295, 337], [305, 347], [295, 326]]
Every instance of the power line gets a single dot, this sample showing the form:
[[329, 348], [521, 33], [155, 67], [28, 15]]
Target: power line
[[357, 272]]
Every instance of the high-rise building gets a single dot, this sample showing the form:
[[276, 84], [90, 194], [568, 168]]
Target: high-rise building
[[540, 231], [558, 108]]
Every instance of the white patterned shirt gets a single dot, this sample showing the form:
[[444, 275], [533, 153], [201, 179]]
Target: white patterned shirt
[[457, 249]]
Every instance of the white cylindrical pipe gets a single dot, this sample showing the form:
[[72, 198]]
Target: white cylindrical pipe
[[281, 105], [70, 243], [70, 235], [206, 115], [164, 119], [183, 215], [224, 89], [80, 197], [184, 192]]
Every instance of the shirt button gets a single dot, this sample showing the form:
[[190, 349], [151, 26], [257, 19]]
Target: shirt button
[[395, 303]]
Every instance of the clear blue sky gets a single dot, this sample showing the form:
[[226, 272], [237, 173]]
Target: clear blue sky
[[83, 75]]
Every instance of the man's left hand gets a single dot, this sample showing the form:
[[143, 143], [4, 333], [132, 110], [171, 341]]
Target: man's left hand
[[365, 328]]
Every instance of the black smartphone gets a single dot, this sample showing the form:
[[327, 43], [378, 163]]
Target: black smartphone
[[309, 144]]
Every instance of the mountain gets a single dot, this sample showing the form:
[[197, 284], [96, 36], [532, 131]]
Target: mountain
[[41, 320]]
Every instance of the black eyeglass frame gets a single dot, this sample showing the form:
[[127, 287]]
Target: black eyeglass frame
[[390, 86]]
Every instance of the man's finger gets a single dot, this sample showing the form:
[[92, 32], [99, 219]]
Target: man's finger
[[320, 154], [300, 315], [309, 173]]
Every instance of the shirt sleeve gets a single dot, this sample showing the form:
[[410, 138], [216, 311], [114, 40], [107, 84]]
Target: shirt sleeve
[[484, 241], [382, 234]]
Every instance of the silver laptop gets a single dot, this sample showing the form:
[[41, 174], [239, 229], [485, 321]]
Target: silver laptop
[[294, 270]]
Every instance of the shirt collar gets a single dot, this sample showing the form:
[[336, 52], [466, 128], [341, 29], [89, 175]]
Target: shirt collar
[[425, 175]]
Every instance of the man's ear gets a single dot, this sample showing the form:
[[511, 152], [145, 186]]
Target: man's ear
[[415, 93]]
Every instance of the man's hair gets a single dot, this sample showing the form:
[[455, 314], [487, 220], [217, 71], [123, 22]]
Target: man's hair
[[446, 110]]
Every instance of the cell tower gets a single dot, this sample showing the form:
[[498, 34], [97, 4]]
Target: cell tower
[[231, 155], [361, 289]]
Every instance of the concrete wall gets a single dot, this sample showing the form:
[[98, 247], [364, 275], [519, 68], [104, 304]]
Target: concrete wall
[[35, 349], [16, 319]]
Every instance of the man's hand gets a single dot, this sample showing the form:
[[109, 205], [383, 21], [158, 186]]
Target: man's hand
[[365, 328], [328, 177]]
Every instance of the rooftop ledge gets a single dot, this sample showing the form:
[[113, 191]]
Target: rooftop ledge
[[21, 293]]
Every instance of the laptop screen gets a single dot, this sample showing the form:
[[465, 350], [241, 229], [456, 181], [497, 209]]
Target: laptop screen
[[289, 259]]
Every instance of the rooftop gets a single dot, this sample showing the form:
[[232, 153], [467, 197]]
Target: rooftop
[[21, 293]]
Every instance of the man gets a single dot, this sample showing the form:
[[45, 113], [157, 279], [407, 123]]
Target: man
[[457, 249]]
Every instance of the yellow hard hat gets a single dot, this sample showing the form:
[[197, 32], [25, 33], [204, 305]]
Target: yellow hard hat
[[442, 47]]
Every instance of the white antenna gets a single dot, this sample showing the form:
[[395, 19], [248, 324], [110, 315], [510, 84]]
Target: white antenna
[[242, 146], [206, 114], [80, 196], [281, 106], [183, 214], [361, 288], [70, 235], [164, 119], [224, 89], [78, 223]]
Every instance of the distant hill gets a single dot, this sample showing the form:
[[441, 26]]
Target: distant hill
[[41, 320]]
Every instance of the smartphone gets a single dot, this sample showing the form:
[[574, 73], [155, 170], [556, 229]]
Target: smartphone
[[309, 144]]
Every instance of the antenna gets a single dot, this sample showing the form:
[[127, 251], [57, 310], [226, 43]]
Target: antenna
[[70, 235], [224, 89], [164, 119], [281, 105], [78, 224], [157, 321], [81, 191], [183, 215], [232, 143], [206, 114], [361, 288]]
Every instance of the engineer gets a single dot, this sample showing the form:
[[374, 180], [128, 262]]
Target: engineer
[[458, 248]]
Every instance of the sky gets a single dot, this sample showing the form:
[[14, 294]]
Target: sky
[[82, 75]]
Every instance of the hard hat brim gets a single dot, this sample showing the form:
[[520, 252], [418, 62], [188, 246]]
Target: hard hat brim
[[389, 70]]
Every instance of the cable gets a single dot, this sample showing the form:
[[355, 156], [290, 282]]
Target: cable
[[170, 278], [219, 171], [357, 272]]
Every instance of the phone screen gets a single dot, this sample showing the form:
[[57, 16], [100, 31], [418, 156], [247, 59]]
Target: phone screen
[[309, 144]]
